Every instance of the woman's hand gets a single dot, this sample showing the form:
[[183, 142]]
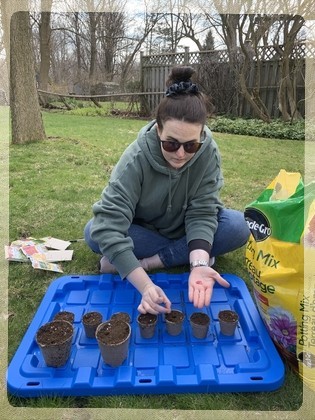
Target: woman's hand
[[154, 300], [200, 285]]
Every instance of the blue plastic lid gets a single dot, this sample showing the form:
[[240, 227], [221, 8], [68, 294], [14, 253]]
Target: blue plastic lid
[[245, 362]]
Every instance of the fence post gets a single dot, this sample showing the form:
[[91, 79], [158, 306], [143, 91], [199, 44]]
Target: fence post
[[142, 99], [141, 72], [186, 56]]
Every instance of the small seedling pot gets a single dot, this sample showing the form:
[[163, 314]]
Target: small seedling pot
[[174, 322], [90, 321], [199, 322], [121, 316], [113, 339], [147, 323], [228, 320], [64, 316], [54, 340]]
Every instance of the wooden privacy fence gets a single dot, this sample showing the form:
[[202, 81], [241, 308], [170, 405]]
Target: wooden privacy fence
[[217, 77]]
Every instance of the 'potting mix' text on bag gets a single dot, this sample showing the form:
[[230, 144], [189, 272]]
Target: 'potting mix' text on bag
[[280, 259]]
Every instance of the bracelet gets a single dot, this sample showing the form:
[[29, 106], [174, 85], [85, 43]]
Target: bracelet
[[199, 263]]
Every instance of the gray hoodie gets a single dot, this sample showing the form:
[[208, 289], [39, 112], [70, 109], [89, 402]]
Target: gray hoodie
[[144, 190]]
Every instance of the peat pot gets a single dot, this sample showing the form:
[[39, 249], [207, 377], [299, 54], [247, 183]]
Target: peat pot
[[113, 339], [174, 322], [228, 320], [199, 322], [147, 323], [90, 321], [54, 340]]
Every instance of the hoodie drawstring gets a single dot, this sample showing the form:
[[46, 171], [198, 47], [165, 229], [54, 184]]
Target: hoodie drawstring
[[186, 190], [169, 204]]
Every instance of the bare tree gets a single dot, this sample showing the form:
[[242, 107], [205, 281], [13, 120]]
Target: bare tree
[[244, 35], [71, 36], [78, 43], [44, 37], [291, 26], [94, 19], [93, 38], [27, 125], [4, 52], [193, 27], [178, 23], [135, 41], [111, 33], [254, 27], [261, 32], [62, 56]]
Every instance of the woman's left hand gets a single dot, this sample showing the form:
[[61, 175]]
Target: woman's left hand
[[200, 285]]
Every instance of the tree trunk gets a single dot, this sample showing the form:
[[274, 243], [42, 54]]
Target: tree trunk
[[93, 52], [252, 95], [282, 91], [78, 48], [230, 27], [5, 25], [27, 125], [44, 32], [253, 99], [287, 86], [44, 39]]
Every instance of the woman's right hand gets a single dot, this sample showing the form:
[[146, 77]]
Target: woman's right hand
[[154, 300]]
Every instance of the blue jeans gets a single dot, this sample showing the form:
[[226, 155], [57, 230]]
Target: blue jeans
[[232, 233]]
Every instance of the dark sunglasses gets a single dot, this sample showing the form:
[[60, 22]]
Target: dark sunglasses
[[189, 147]]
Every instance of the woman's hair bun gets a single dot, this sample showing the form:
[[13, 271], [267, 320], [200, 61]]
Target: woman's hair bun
[[182, 101], [180, 74]]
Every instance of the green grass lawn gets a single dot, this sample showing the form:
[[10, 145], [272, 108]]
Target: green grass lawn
[[53, 185]]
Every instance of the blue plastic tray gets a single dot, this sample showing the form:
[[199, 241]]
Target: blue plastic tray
[[246, 362]]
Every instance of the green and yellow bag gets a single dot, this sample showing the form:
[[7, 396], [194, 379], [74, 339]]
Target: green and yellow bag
[[280, 259]]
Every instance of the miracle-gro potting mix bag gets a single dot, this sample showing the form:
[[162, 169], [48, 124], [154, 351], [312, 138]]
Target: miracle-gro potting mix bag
[[280, 259]]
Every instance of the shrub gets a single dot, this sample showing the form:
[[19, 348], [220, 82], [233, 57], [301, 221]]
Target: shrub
[[254, 127]]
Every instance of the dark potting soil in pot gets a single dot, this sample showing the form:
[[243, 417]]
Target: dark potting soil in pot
[[54, 334], [64, 316], [174, 316], [199, 318], [228, 316], [92, 318], [121, 316], [114, 332], [147, 319]]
